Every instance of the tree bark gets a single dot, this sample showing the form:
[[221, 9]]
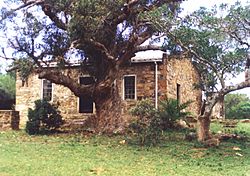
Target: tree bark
[[203, 127], [108, 118], [203, 122]]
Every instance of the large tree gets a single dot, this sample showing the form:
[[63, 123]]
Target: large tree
[[217, 41], [104, 34]]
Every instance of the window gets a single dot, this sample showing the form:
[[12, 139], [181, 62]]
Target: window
[[129, 87], [86, 102], [178, 93], [47, 90]]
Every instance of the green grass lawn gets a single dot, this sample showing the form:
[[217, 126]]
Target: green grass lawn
[[71, 154]]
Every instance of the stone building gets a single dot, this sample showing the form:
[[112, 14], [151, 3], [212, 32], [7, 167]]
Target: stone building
[[155, 78], [218, 111]]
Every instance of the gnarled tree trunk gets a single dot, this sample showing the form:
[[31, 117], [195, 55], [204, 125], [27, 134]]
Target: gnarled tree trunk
[[108, 118]]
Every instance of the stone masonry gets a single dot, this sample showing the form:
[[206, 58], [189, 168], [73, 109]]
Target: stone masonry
[[173, 71], [9, 120]]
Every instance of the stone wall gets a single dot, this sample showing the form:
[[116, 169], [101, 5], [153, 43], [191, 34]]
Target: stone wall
[[31, 91], [9, 120], [181, 71], [171, 72], [145, 82], [26, 94], [218, 111]]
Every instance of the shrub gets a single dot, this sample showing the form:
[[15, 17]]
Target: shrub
[[171, 110], [44, 118], [150, 122], [147, 124]]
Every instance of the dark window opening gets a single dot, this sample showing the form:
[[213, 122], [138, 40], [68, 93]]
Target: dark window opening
[[87, 80], [86, 102], [86, 105], [47, 90], [129, 87], [178, 93]]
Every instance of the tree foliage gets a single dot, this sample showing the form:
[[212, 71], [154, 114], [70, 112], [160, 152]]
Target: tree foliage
[[8, 86], [209, 39], [217, 41], [101, 34], [237, 106]]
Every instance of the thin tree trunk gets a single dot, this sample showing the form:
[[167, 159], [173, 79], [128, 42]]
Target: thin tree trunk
[[203, 132], [203, 123]]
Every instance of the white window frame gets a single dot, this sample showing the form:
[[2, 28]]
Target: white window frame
[[123, 86], [52, 90]]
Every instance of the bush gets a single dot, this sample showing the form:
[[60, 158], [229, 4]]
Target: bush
[[150, 122], [147, 124], [170, 110], [44, 118]]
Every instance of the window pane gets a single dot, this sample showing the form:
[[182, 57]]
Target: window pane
[[129, 87]]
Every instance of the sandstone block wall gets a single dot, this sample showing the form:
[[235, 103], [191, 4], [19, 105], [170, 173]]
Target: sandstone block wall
[[181, 71], [32, 90], [145, 82], [26, 95], [219, 110], [171, 72], [9, 120]]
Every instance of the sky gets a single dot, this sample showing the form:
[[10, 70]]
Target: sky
[[190, 6]]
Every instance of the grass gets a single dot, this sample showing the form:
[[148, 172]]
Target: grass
[[241, 128], [77, 154]]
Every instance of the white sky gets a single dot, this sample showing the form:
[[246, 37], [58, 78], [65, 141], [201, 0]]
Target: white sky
[[189, 6]]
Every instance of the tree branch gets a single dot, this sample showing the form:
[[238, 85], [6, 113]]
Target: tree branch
[[235, 36], [57, 77], [239, 86], [132, 8], [101, 48], [27, 4], [48, 10]]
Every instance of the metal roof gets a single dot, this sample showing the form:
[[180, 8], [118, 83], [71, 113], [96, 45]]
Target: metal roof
[[141, 60]]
